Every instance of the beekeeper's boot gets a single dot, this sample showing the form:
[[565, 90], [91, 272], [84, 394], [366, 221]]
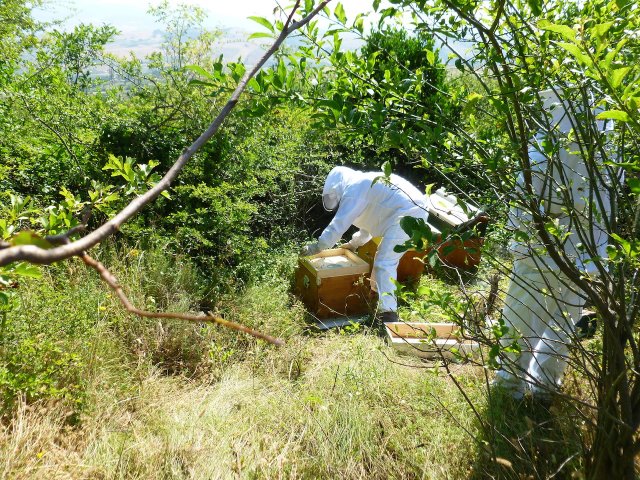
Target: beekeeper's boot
[[386, 317], [381, 319]]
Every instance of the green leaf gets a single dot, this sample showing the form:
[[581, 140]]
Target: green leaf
[[339, 13], [577, 53], [282, 72], [400, 248], [601, 29], [608, 59], [25, 269], [431, 57], [264, 22], [564, 30], [634, 185], [618, 75], [433, 258], [386, 168], [198, 70], [554, 228], [253, 84], [191, 82], [619, 239], [27, 237], [408, 224], [473, 98], [630, 248], [260, 35], [332, 32], [536, 7], [358, 24], [614, 115], [376, 5]]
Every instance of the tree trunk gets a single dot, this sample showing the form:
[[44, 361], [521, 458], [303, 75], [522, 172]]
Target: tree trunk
[[612, 453]]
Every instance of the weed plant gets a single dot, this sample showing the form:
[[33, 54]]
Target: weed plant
[[135, 398]]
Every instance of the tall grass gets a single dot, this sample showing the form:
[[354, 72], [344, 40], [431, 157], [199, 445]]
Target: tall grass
[[93, 392], [350, 413], [174, 400], [343, 410]]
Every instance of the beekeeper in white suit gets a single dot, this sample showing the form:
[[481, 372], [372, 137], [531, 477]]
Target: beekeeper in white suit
[[376, 209], [542, 305]]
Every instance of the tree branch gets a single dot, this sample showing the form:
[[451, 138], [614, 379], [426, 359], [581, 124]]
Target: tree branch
[[111, 280]]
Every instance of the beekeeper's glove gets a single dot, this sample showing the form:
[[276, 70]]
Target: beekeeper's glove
[[310, 249], [348, 246]]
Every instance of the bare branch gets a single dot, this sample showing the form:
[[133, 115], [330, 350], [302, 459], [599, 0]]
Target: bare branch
[[37, 255], [63, 238], [111, 280]]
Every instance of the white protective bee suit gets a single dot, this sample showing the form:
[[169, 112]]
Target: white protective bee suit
[[376, 209], [542, 305]]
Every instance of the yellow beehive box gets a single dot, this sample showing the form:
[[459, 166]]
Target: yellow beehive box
[[332, 283], [429, 340]]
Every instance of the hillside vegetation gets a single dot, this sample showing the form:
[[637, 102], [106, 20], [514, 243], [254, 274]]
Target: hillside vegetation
[[102, 394], [88, 390]]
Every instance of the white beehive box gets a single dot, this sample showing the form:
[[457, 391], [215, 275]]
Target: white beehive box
[[445, 207], [429, 340]]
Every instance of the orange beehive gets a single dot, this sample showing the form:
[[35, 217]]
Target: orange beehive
[[446, 214], [461, 254], [409, 268]]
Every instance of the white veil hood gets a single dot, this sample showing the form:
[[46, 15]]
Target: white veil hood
[[335, 185]]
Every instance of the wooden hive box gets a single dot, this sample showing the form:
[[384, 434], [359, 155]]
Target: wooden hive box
[[429, 340], [446, 214], [332, 283], [409, 268]]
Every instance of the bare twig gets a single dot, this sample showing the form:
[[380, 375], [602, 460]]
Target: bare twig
[[63, 238], [111, 280]]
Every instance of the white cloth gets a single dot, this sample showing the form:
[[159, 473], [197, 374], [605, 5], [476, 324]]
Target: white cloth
[[541, 307], [376, 209], [560, 186]]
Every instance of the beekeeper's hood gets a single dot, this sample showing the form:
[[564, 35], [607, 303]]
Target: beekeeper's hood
[[335, 185]]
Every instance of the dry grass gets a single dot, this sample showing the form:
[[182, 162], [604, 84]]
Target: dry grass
[[177, 401], [342, 410]]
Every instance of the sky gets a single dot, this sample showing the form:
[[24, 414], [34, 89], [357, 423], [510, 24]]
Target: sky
[[140, 34]]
